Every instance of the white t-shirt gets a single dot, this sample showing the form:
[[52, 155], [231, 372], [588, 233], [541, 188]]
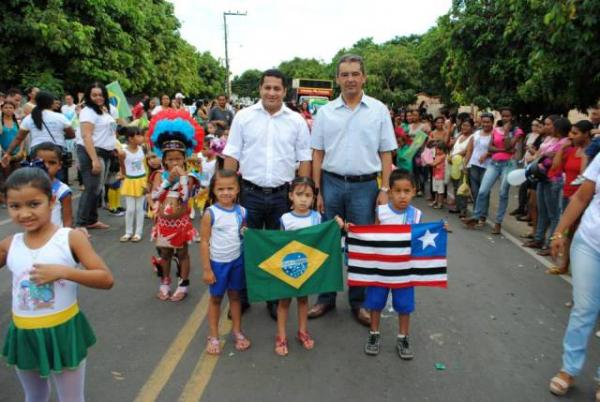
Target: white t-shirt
[[105, 126], [590, 222], [55, 122], [69, 111], [59, 190]]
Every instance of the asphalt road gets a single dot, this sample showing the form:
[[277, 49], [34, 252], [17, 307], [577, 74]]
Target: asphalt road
[[497, 329]]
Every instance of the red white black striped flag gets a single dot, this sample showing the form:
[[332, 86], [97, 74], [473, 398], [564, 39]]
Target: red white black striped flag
[[396, 256]]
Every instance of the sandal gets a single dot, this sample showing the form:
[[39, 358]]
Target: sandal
[[180, 293], [556, 271], [125, 238], [241, 342], [164, 292], [559, 386], [136, 238], [98, 225], [305, 340], [213, 345], [281, 346]]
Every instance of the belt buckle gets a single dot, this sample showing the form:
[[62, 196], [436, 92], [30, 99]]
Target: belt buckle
[[267, 190]]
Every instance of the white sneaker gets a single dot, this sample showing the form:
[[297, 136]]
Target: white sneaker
[[578, 181]]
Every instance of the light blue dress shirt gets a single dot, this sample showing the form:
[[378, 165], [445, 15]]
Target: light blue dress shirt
[[352, 139]]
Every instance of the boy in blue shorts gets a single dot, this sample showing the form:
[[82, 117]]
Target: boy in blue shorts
[[402, 189]]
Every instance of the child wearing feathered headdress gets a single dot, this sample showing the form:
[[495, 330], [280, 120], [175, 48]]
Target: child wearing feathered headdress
[[174, 135]]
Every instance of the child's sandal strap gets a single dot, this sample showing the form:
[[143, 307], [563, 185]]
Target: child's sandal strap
[[241, 342], [306, 340], [281, 346], [213, 345]]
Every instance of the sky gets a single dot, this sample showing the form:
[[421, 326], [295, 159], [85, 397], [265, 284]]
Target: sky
[[278, 30]]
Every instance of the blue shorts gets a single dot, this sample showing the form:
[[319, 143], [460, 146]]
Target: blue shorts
[[230, 276], [403, 299]]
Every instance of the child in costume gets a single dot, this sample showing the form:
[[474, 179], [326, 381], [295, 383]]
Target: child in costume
[[133, 174], [48, 335], [222, 259], [174, 135]]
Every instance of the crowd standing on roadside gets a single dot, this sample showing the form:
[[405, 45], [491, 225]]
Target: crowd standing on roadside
[[355, 161]]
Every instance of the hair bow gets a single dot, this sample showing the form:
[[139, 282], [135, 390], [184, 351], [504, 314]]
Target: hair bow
[[35, 163]]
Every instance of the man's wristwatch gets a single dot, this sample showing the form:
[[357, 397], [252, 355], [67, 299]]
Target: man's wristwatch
[[384, 189]]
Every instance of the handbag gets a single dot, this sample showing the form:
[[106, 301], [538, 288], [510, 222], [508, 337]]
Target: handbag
[[66, 157], [464, 190]]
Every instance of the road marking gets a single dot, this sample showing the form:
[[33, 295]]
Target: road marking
[[532, 253], [7, 221], [163, 371], [194, 389]]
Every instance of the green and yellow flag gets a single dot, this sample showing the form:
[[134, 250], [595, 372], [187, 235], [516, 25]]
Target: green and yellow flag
[[116, 97], [282, 264]]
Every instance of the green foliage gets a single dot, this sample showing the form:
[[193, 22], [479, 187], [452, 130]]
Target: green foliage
[[304, 68], [393, 71], [538, 56], [246, 85], [81, 41]]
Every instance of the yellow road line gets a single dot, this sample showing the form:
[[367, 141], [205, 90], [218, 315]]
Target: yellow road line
[[194, 389], [172, 356]]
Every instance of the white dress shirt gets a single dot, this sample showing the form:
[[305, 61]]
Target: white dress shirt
[[267, 146]]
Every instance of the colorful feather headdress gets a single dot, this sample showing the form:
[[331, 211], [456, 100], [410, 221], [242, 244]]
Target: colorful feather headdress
[[175, 130]]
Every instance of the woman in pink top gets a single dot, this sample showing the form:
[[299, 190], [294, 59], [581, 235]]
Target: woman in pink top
[[502, 147], [549, 192]]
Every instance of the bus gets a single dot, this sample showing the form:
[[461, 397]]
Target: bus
[[314, 92]]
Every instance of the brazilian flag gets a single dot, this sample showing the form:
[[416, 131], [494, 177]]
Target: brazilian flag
[[116, 97], [282, 264]]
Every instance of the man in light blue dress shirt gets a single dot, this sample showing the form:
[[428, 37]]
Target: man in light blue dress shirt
[[352, 140]]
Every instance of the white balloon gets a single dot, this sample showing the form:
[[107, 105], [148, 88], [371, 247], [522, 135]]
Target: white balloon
[[516, 177]]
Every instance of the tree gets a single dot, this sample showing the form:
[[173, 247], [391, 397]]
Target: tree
[[392, 70], [537, 56], [78, 42], [304, 68], [246, 84]]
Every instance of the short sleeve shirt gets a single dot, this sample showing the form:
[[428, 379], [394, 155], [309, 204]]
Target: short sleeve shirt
[[55, 123], [105, 126], [352, 139], [590, 222]]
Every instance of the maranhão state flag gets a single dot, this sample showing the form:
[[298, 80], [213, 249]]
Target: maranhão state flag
[[397, 256]]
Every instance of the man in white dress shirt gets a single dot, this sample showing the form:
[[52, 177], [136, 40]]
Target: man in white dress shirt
[[267, 140]]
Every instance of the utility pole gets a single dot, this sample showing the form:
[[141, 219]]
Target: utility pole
[[227, 80]]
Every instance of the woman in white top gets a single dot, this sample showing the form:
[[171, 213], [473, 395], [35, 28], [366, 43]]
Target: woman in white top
[[94, 148], [477, 156], [457, 162], [585, 260], [45, 126]]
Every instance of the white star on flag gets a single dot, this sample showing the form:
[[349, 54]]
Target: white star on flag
[[428, 239]]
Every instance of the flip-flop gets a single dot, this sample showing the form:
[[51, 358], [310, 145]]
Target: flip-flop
[[556, 271], [98, 225], [559, 386], [180, 294]]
